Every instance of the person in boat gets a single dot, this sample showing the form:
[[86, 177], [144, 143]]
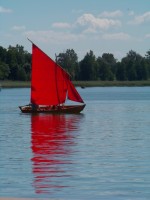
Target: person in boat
[[34, 107], [54, 107]]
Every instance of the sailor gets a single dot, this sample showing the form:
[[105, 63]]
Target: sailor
[[34, 107]]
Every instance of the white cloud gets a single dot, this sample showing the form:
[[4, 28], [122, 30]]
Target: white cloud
[[147, 35], [5, 10], [141, 19], [90, 21], [18, 28], [116, 13], [131, 13], [90, 25], [116, 36], [89, 30], [61, 25], [50, 36]]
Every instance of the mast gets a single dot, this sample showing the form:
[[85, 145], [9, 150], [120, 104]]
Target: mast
[[30, 41], [56, 80]]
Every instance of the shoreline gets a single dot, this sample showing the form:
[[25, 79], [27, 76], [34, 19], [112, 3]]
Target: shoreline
[[82, 84]]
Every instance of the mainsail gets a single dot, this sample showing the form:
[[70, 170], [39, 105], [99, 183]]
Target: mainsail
[[50, 84]]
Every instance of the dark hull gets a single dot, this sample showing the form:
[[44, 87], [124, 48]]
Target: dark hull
[[60, 109]]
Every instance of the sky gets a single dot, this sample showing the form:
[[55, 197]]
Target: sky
[[103, 26]]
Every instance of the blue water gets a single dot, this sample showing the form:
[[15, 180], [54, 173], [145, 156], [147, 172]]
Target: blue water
[[104, 153]]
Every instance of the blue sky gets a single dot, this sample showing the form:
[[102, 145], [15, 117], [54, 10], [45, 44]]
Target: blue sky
[[103, 26]]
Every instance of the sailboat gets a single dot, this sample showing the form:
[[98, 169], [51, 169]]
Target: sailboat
[[50, 87]]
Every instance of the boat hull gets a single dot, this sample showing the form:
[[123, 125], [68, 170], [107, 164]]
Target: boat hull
[[54, 110]]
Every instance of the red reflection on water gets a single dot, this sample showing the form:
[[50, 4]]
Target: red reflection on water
[[52, 140]]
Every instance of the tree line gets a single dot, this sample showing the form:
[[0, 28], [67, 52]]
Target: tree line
[[15, 64]]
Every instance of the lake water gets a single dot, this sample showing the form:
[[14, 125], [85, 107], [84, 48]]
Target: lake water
[[103, 153]]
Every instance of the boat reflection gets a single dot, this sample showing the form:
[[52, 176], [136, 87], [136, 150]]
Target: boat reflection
[[52, 142]]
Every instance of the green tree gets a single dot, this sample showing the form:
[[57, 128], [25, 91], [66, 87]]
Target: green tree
[[132, 61], [142, 70], [21, 74], [14, 72], [69, 61], [11, 56], [3, 53], [20, 54], [132, 74], [88, 67], [104, 70], [147, 62], [111, 61], [148, 55], [27, 69], [121, 74], [18, 60], [4, 71]]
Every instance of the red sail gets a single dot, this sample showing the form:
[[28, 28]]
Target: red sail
[[48, 83], [73, 94]]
